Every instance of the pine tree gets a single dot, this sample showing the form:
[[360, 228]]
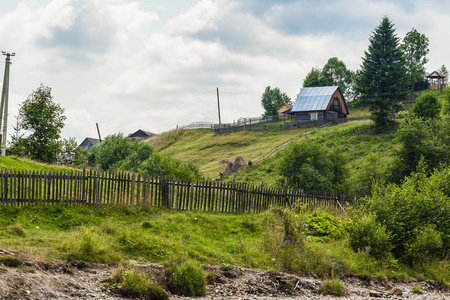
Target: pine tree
[[382, 82]]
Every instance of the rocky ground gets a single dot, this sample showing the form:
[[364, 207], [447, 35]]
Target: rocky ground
[[70, 280]]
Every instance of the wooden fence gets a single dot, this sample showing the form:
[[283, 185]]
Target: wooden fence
[[20, 188]]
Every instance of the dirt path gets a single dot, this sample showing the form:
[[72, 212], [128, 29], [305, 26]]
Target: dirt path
[[69, 280]]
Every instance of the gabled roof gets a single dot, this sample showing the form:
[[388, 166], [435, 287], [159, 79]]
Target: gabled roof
[[314, 98], [89, 142], [435, 74], [140, 133]]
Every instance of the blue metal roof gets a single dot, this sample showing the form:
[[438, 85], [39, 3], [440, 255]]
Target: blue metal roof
[[314, 98]]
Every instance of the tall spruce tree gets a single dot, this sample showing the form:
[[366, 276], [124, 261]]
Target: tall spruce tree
[[382, 82]]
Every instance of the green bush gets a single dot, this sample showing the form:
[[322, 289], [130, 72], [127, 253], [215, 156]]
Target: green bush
[[410, 210], [427, 106], [131, 283], [426, 245], [308, 167], [367, 234], [333, 287], [324, 226], [186, 278]]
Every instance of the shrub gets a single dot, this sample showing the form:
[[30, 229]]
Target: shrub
[[427, 106], [308, 167], [333, 287], [132, 283], [186, 278], [324, 226], [426, 245], [409, 210], [366, 234]]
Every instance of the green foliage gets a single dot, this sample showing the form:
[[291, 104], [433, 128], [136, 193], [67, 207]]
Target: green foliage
[[415, 49], [426, 245], [120, 153], [333, 287], [446, 106], [324, 226], [186, 278], [312, 79], [443, 70], [410, 211], [131, 283], [335, 73], [272, 100], [70, 154], [111, 151], [370, 172], [308, 167], [382, 81], [367, 234], [427, 106], [45, 119], [419, 140]]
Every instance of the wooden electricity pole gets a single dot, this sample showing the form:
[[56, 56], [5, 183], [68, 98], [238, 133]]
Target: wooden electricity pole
[[4, 103], [218, 105]]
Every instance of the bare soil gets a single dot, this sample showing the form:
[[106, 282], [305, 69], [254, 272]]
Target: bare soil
[[75, 280]]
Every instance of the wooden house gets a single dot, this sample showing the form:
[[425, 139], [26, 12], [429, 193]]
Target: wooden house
[[316, 103], [88, 143], [140, 134]]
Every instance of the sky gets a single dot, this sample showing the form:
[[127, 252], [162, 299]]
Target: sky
[[156, 64]]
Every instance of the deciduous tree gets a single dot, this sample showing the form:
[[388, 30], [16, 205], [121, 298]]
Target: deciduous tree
[[272, 100], [335, 73], [44, 118], [415, 50], [382, 82]]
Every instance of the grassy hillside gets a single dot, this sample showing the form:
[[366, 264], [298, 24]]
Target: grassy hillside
[[206, 149], [14, 162], [356, 140]]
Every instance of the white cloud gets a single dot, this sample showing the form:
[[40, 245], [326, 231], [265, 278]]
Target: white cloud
[[126, 67]]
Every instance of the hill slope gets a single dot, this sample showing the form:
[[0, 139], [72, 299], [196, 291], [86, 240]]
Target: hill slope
[[355, 139]]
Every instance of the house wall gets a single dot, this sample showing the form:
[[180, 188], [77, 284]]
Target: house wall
[[341, 108]]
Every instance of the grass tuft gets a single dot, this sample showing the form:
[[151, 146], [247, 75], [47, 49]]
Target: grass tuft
[[333, 287], [186, 278], [11, 261]]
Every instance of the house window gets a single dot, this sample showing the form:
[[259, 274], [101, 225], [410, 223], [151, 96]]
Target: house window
[[314, 116], [336, 102]]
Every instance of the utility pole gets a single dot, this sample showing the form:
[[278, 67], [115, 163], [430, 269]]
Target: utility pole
[[218, 106], [98, 130], [4, 103]]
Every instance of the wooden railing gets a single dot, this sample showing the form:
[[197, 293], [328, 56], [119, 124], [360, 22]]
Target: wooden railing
[[20, 188]]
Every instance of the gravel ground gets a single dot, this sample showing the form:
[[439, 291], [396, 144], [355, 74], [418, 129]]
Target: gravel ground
[[68, 280]]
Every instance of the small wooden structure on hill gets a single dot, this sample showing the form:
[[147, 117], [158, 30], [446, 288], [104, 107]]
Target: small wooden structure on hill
[[317, 103], [435, 81]]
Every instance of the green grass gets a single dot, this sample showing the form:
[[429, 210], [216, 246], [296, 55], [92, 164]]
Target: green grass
[[16, 163], [114, 235], [206, 149]]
